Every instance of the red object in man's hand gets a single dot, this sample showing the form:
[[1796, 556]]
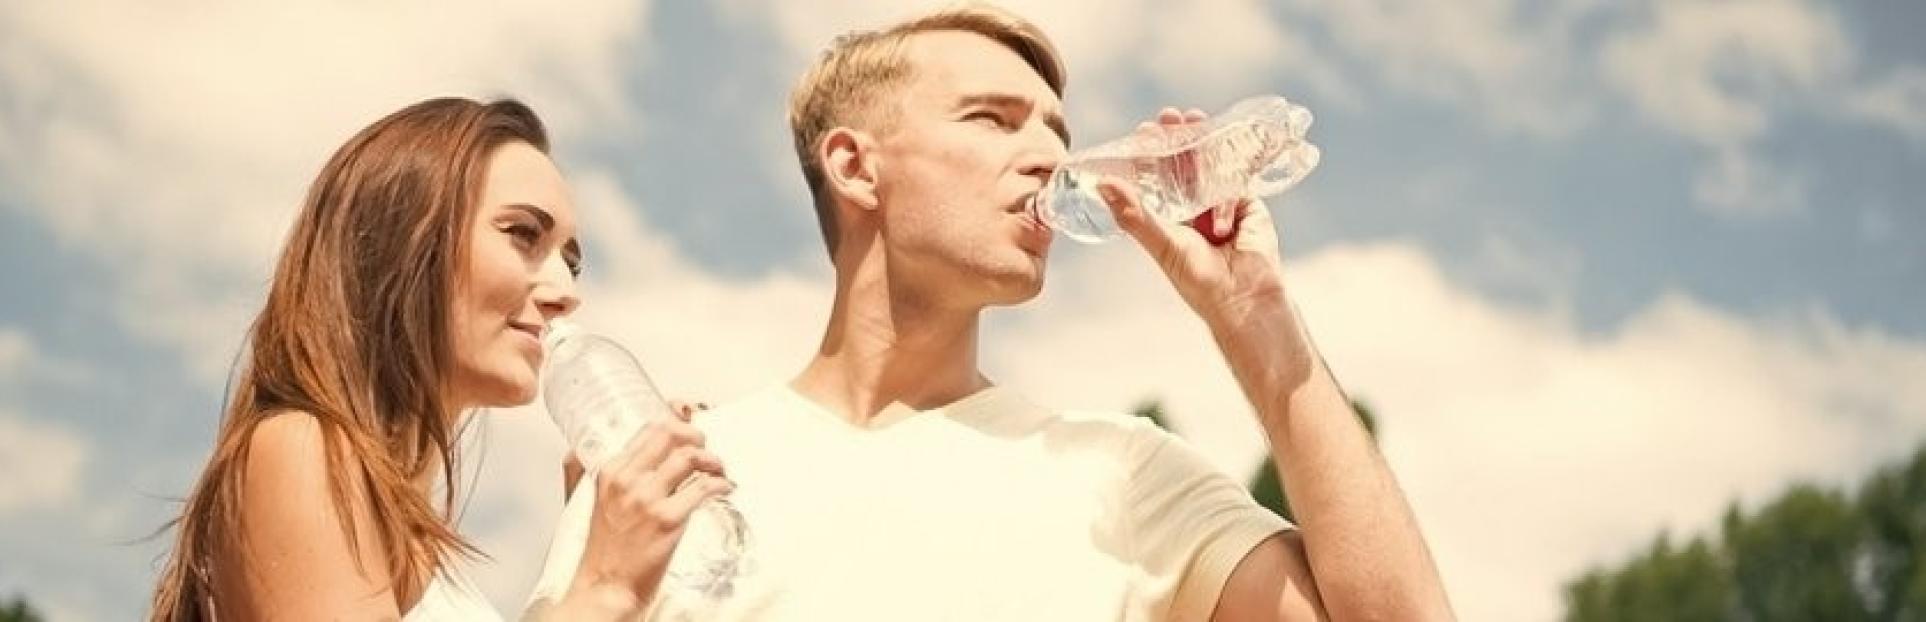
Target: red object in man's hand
[[1206, 222]]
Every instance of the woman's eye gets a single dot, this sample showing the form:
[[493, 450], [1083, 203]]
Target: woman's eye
[[525, 235]]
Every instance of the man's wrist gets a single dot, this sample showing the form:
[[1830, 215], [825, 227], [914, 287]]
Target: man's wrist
[[1266, 347], [1265, 321]]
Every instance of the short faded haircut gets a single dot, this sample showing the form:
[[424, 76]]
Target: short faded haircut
[[848, 83]]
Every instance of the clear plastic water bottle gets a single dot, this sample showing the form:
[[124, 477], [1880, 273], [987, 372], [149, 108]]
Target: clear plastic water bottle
[[1255, 148], [599, 396]]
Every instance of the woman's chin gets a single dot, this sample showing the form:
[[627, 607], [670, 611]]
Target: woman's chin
[[505, 392], [521, 397], [519, 394]]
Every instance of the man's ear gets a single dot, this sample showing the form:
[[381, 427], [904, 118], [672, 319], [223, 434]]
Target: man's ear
[[849, 166]]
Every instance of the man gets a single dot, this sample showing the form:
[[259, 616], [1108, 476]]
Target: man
[[891, 480]]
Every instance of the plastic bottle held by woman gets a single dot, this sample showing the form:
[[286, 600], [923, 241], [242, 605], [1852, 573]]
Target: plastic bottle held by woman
[[599, 396]]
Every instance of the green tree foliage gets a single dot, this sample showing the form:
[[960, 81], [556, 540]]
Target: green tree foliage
[[1893, 506], [1666, 582], [1810, 554], [18, 611]]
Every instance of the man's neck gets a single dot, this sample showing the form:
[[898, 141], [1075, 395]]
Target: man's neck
[[885, 345]]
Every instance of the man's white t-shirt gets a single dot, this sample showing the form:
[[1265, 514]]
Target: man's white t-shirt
[[991, 508]]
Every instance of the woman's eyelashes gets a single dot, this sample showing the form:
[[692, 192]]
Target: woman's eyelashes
[[530, 232], [527, 235]]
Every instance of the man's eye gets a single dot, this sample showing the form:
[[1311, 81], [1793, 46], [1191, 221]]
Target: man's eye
[[987, 118]]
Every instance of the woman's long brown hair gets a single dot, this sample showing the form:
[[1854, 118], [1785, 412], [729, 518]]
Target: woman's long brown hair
[[355, 332]]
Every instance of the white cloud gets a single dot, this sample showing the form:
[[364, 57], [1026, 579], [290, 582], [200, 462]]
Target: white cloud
[[1481, 54], [1087, 45], [45, 460], [1899, 101], [1216, 51], [1506, 61], [174, 145], [1090, 52], [1577, 447], [1707, 69], [1210, 54], [1710, 71]]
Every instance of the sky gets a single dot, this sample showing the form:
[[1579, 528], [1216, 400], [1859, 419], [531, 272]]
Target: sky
[[1601, 268]]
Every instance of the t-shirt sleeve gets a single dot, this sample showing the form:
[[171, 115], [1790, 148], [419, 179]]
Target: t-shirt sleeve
[[1191, 525]]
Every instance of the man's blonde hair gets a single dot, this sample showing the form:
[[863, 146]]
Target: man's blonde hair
[[847, 85]]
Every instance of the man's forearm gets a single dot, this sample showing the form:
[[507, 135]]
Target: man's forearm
[[1361, 539]]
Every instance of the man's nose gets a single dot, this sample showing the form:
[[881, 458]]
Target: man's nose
[[1043, 156]]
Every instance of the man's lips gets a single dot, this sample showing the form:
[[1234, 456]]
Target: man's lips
[[1024, 205], [1030, 221], [1027, 208], [1036, 235]]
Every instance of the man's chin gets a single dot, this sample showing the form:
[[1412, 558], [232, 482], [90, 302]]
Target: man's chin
[[1018, 288]]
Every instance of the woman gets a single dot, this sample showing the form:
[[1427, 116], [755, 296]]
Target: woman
[[428, 258]]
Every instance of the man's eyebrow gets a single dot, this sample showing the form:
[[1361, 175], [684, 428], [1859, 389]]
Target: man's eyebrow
[[1053, 119]]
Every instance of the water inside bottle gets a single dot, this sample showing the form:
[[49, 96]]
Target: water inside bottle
[[1178, 171], [600, 397], [712, 569]]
